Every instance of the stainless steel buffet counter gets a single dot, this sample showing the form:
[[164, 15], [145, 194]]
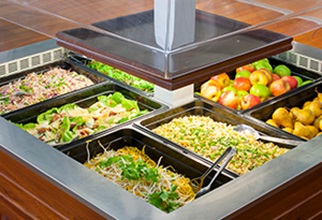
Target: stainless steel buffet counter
[[111, 201]]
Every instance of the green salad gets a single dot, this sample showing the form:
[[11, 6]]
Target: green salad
[[70, 121], [124, 77]]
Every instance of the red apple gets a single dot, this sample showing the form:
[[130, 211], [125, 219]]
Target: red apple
[[279, 87], [291, 80], [249, 101], [229, 99], [258, 77], [248, 67], [222, 78], [210, 91], [275, 76], [242, 83], [260, 91]]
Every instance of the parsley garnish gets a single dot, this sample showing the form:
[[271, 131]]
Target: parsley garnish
[[165, 200]]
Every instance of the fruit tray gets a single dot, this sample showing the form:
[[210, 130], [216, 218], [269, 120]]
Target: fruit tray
[[205, 130], [84, 113], [23, 89], [298, 98], [113, 74], [306, 77], [159, 152]]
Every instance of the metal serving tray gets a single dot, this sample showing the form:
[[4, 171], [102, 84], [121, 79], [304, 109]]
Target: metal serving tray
[[64, 64], [85, 98], [296, 71], [201, 108], [83, 61], [184, 164], [295, 99]]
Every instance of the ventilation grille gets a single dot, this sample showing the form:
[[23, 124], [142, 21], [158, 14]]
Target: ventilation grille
[[31, 62], [56, 54], [302, 61]]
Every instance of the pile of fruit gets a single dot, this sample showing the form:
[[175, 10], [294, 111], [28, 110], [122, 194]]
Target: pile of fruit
[[305, 122], [253, 83]]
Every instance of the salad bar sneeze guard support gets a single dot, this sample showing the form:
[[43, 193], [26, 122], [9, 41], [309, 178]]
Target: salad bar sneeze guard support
[[132, 47]]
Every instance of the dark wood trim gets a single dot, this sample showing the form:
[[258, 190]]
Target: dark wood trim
[[27, 195]]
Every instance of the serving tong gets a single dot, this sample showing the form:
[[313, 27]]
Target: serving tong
[[197, 182], [243, 128], [16, 93]]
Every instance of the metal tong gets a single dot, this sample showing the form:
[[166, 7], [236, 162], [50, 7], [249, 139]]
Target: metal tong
[[198, 181], [17, 93]]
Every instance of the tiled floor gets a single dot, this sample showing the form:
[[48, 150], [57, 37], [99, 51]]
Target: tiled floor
[[297, 18]]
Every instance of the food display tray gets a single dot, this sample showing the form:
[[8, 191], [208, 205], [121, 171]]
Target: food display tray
[[219, 114], [83, 61], [64, 64], [183, 164], [295, 99], [296, 71], [84, 98]]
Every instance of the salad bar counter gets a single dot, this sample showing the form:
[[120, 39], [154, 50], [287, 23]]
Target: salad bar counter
[[114, 117], [112, 151]]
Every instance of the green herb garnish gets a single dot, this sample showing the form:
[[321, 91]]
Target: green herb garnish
[[164, 200]]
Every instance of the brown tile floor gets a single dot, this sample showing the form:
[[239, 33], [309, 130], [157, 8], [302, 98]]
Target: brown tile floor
[[299, 20]]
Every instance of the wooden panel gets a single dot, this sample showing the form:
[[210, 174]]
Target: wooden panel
[[298, 199], [31, 196], [293, 26], [293, 5], [77, 10], [24, 201], [312, 38], [13, 36], [240, 11], [9, 210]]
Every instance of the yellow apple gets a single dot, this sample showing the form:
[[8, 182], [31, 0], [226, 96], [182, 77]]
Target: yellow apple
[[258, 77], [222, 78]]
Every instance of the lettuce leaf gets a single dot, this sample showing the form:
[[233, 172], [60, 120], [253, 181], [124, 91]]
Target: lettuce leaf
[[107, 101], [118, 97], [67, 136], [67, 107], [47, 116], [130, 104]]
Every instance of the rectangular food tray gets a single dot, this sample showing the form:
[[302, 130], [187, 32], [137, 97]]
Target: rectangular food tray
[[84, 61], [200, 108], [296, 71], [183, 164], [296, 99], [64, 64], [84, 98]]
